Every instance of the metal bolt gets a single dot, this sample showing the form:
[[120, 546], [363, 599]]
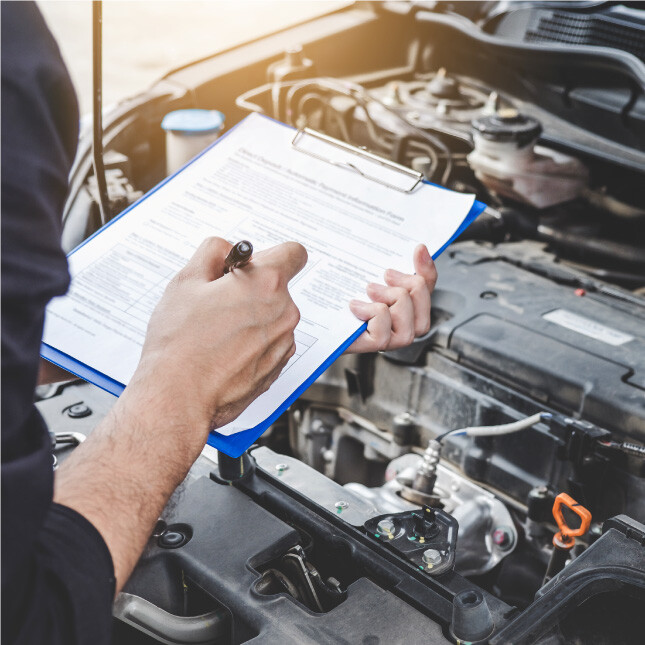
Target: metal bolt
[[503, 538], [342, 505], [78, 411], [281, 467], [432, 557], [333, 582], [386, 526], [171, 539], [403, 418], [539, 492], [595, 531]]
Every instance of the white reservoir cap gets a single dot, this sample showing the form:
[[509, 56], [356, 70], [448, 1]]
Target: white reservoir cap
[[193, 122], [188, 132]]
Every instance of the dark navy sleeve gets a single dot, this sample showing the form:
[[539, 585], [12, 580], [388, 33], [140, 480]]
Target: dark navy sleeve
[[57, 574]]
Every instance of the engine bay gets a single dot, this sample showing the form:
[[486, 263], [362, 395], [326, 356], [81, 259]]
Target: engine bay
[[417, 495]]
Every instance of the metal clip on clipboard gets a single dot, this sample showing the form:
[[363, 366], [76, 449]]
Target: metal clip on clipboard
[[413, 175]]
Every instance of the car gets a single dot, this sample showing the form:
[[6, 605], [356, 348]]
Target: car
[[485, 484]]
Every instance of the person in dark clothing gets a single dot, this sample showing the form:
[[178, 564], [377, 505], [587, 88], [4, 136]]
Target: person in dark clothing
[[48, 551], [66, 550]]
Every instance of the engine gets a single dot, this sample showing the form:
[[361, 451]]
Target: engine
[[485, 484]]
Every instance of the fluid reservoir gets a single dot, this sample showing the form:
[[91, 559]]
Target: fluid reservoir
[[508, 162], [188, 132]]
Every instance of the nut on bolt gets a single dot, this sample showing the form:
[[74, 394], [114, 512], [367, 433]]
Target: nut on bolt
[[78, 411], [503, 537], [386, 526], [432, 557]]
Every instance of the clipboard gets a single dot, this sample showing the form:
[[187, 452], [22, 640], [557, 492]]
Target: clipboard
[[406, 181], [415, 177]]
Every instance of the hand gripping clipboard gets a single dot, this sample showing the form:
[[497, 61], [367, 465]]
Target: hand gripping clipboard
[[368, 166]]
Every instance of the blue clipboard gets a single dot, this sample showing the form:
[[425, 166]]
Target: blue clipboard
[[233, 445]]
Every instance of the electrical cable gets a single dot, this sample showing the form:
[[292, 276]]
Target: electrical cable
[[362, 97], [494, 431], [314, 96], [345, 88], [97, 107], [243, 101]]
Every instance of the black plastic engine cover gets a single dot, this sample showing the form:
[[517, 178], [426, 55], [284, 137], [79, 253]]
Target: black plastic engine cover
[[231, 537], [580, 353]]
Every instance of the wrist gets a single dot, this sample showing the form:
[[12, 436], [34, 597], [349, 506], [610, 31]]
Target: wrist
[[167, 409]]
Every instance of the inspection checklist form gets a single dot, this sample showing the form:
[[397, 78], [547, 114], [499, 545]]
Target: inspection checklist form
[[254, 185]]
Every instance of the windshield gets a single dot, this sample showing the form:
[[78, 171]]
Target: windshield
[[143, 40]]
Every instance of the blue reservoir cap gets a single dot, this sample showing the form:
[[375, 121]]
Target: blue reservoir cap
[[193, 121]]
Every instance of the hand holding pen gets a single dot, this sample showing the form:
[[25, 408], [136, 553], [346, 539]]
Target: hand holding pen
[[239, 256]]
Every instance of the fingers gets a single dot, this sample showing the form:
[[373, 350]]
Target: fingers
[[401, 310], [419, 286], [405, 307], [289, 257], [379, 326], [207, 262]]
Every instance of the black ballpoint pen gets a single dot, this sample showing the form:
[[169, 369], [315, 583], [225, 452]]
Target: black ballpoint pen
[[238, 256]]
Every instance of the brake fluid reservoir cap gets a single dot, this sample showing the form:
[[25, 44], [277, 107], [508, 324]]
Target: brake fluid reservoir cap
[[508, 125], [193, 121]]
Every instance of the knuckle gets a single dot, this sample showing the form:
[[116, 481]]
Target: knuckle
[[382, 340], [418, 282], [400, 292], [272, 280], [383, 344], [293, 316], [381, 309], [423, 328]]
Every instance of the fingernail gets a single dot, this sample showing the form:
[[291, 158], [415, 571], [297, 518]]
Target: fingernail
[[393, 273], [425, 255], [358, 308]]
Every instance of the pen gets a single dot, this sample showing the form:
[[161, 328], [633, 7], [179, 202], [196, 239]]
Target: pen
[[238, 256]]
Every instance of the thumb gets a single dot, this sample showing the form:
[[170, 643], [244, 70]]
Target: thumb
[[424, 266]]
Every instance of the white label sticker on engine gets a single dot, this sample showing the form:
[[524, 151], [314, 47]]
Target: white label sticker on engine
[[587, 327]]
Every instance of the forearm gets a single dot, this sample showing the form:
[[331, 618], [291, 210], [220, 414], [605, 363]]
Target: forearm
[[121, 477]]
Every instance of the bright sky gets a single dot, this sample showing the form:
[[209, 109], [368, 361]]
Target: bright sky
[[143, 39]]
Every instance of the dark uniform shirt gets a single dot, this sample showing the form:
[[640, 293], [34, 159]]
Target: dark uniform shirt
[[57, 574]]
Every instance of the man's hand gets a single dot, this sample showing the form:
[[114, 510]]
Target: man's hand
[[219, 342], [214, 343], [400, 311]]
